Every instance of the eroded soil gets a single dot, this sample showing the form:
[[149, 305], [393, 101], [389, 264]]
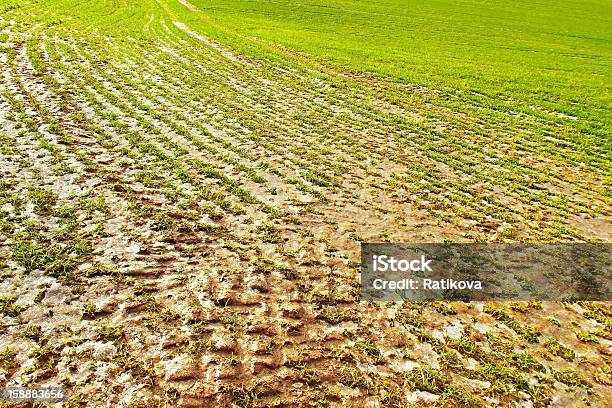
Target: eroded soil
[[180, 226]]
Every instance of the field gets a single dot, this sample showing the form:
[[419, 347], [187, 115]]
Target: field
[[512, 55], [184, 187]]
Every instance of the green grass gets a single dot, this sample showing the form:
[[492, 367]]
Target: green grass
[[553, 54], [515, 56], [8, 306]]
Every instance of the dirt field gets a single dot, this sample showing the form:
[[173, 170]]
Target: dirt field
[[180, 226]]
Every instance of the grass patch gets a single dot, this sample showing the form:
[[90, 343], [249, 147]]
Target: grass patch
[[8, 306]]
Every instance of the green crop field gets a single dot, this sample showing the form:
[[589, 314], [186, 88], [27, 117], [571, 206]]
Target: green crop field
[[184, 186], [551, 54]]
